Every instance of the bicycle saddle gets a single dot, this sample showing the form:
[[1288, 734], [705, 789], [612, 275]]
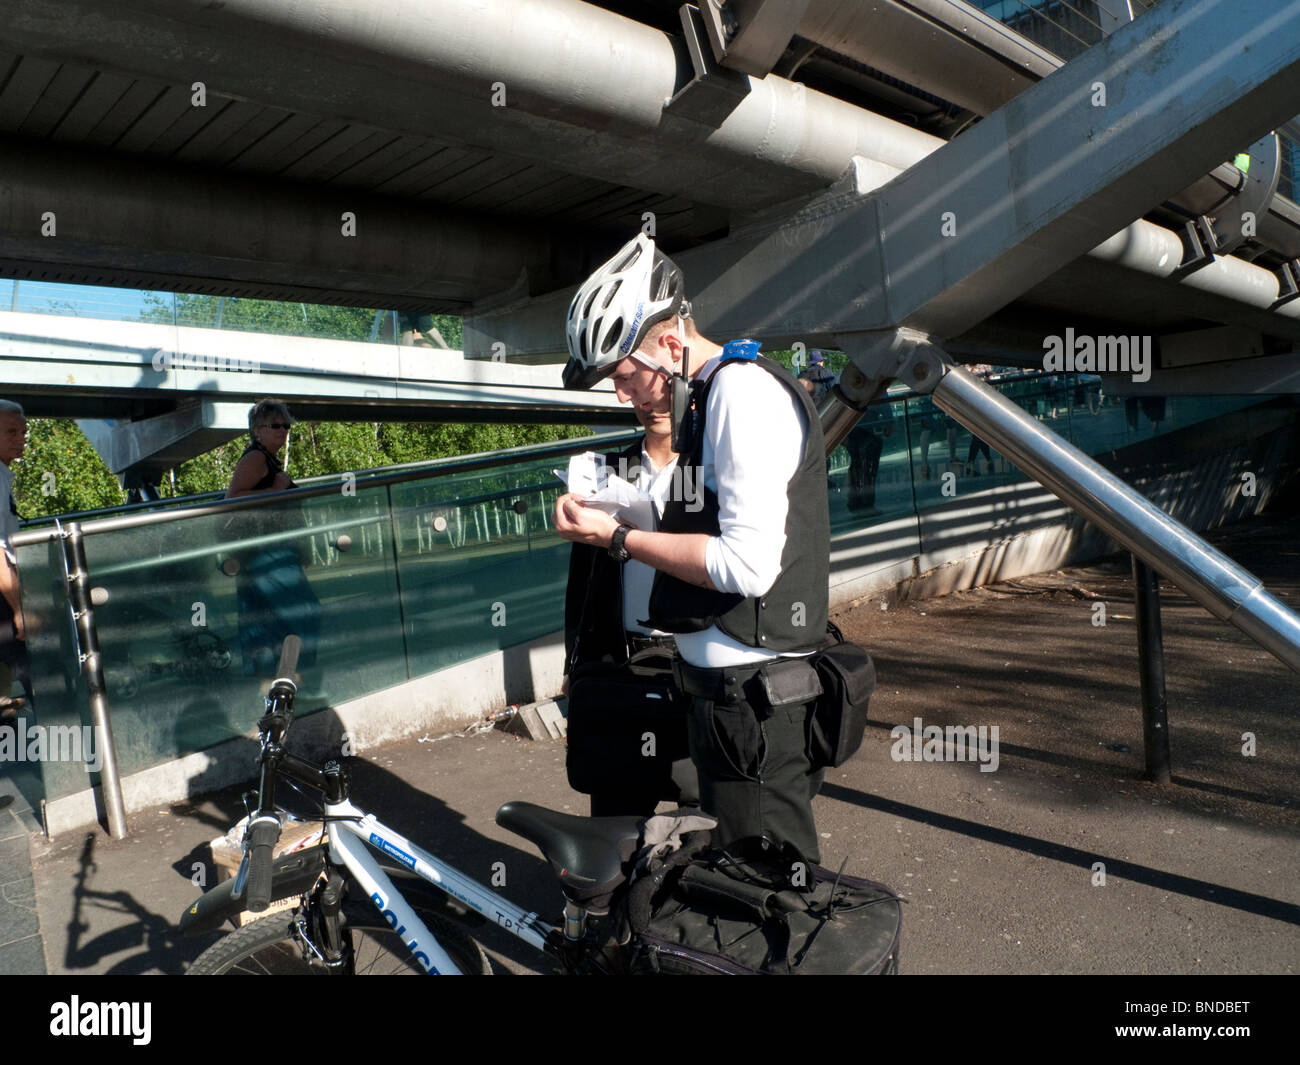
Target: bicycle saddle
[[587, 853]]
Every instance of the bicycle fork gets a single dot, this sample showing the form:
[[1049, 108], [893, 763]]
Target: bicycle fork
[[337, 947]]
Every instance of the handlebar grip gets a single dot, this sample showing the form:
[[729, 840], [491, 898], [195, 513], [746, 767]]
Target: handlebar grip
[[263, 834], [289, 652]]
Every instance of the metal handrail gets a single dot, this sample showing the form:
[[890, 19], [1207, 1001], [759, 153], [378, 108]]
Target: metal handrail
[[254, 543], [408, 472]]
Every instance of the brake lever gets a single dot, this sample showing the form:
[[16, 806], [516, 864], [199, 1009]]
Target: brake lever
[[237, 892]]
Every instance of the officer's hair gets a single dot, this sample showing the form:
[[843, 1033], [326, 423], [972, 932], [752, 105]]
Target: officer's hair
[[8, 406], [657, 330]]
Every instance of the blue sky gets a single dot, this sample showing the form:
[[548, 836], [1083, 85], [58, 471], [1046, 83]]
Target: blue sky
[[83, 301]]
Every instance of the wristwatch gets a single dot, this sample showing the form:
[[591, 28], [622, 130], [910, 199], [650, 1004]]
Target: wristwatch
[[617, 551]]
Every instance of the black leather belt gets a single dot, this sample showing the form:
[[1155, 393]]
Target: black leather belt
[[761, 684], [637, 642]]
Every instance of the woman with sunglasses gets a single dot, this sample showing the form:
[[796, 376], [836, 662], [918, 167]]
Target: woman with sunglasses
[[275, 599]]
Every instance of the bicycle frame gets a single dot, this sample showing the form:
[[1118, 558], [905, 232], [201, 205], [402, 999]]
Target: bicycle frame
[[348, 842]]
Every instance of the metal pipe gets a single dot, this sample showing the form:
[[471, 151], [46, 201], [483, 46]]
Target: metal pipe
[[838, 417], [1151, 672], [1224, 588], [92, 668], [1157, 251]]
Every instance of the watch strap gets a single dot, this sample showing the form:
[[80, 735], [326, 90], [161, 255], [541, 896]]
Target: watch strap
[[617, 549]]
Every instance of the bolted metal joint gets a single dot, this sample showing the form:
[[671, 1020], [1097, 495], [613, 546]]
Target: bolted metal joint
[[878, 357]]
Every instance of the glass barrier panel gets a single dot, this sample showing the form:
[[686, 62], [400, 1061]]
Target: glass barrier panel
[[392, 582], [59, 709], [870, 476], [193, 614], [481, 565]]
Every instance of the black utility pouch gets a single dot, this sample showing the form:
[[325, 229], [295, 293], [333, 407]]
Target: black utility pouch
[[790, 680], [836, 726]]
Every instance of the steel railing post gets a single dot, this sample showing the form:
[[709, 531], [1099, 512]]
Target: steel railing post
[[92, 668]]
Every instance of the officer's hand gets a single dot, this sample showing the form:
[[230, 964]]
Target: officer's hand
[[582, 524]]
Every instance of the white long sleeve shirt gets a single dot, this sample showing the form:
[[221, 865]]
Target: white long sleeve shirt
[[755, 432]]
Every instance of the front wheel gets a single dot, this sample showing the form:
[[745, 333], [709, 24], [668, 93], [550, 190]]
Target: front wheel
[[270, 947]]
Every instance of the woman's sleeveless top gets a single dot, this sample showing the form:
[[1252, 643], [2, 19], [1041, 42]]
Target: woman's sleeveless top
[[272, 468]]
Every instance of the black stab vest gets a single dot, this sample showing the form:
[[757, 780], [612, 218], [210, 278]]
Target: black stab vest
[[791, 616]]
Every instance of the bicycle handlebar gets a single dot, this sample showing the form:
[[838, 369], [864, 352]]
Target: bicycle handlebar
[[263, 833], [289, 652]]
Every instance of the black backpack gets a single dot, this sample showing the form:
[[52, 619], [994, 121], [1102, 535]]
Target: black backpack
[[755, 910]]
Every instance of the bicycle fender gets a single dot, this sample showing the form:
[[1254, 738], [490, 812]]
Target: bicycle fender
[[291, 874]]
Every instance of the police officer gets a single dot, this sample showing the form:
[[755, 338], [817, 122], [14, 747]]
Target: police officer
[[742, 577]]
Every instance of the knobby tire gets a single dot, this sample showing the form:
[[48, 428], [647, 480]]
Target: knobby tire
[[267, 947]]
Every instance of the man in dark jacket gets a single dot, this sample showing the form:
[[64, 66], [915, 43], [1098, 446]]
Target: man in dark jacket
[[604, 611]]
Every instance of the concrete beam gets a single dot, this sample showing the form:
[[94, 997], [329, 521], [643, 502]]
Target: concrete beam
[[194, 228], [1039, 183], [144, 450], [1235, 375], [1080, 155], [1126, 284], [584, 89]]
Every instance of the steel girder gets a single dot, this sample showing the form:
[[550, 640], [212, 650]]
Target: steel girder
[[1042, 181]]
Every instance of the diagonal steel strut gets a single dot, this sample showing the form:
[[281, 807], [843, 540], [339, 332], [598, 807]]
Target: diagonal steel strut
[[1055, 172], [1224, 588], [1037, 184]]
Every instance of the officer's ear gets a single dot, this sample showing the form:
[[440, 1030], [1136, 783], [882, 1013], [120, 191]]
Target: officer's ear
[[672, 341]]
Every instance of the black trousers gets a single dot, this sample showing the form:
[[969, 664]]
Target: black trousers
[[752, 759]]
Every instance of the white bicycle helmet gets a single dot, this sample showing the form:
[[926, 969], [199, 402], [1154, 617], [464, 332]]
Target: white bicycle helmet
[[614, 307]]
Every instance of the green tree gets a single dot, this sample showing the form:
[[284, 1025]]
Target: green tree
[[61, 472], [209, 472], [320, 448], [836, 360], [261, 316]]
